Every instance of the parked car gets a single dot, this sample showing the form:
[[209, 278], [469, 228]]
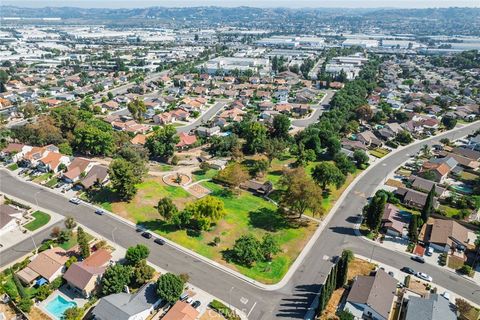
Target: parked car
[[100, 212], [408, 270], [391, 274], [429, 251], [418, 259], [446, 295], [159, 241], [139, 229], [184, 296], [423, 276], [196, 304], [147, 235], [75, 200]]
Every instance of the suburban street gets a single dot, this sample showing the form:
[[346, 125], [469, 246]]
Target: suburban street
[[203, 118], [317, 111], [295, 297]]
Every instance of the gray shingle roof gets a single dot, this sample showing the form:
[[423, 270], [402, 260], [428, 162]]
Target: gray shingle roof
[[434, 308], [122, 305]]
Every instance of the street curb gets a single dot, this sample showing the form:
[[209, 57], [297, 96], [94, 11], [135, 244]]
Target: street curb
[[293, 268]]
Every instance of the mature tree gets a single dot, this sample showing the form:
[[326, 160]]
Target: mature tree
[[269, 247], [123, 178], [137, 109], [310, 139], [428, 207], [137, 156], [301, 192], [205, 212], [73, 313], [342, 268], [374, 211], [256, 137], [404, 137], [162, 143], [259, 167], [4, 77], [167, 209], [333, 146], [142, 273], [449, 122], [136, 254], [247, 250], [233, 175], [70, 223], [115, 278], [170, 287], [223, 146], [364, 112], [413, 228], [326, 173], [304, 156], [93, 140], [281, 126], [83, 243], [274, 148], [86, 103], [344, 163]]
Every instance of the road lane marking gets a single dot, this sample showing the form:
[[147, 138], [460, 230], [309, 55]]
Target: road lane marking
[[243, 300], [248, 314]]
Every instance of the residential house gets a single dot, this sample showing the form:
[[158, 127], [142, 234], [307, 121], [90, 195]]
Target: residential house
[[301, 109], [181, 311], [127, 306], [425, 185], [97, 175], [10, 218], [110, 105], [439, 171], [446, 235], [413, 198], [371, 297], [14, 152], [51, 162], [83, 277], [48, 264], [368, 138], [393, 222], [32, 157], [467, 153], [435, 307], [186, 140], [353, 145], [461, 160], [208, 132]]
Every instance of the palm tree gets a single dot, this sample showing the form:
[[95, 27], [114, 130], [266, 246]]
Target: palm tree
[[426, 150]]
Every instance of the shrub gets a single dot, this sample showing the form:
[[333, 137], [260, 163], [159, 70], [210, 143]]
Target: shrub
[[225, 311], [57, 283], [25, 305], [465, 269], [20, 288]]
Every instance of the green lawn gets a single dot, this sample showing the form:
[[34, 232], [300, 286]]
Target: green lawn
[[42, 177], [468, 176], [379, 152], [73, 241], [41, 219], [202, 175], [52, 182], [246, 213], [13, 166], [449, 211]]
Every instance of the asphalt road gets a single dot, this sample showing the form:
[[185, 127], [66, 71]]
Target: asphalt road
[[203, 118], [318, 110], [292, 300]]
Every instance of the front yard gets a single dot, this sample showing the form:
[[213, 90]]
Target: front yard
[[41, 219], [379, 152], [246, 214]]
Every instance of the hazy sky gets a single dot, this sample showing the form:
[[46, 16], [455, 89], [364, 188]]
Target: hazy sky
[[255, 3]]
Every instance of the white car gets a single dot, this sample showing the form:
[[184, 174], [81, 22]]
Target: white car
[[75, 200], [424, 276]]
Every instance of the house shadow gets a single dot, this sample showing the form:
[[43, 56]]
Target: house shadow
[[296, 305]]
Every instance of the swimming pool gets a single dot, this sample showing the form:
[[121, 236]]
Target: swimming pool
[[57, 306], [462, 188]]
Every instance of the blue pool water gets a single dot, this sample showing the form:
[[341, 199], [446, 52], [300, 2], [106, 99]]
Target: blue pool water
[[58, 305], [463, 189]]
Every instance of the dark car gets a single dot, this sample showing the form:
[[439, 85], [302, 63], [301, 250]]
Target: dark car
[[100, 212], [418, 259], [147, 235], [196, 304], [159, 241], [408, 270]]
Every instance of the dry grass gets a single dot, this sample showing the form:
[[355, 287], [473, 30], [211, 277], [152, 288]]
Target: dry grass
[[37, 314], [211, 315], [7, 310], [418, 287], [357, 267]]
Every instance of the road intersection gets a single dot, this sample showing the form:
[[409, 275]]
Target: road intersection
[[292, 299]]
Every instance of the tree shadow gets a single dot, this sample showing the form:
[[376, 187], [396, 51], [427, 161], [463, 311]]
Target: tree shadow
[[344, 230], [268, 219], [296, 305], [159, 225], [225, 193], [276, 195]]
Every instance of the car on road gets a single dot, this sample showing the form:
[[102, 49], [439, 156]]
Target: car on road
[[418, 259], [147, 235], [423, 276], [408, 270], [100, 212], [196, 304], [75, 200], [159, 241]]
